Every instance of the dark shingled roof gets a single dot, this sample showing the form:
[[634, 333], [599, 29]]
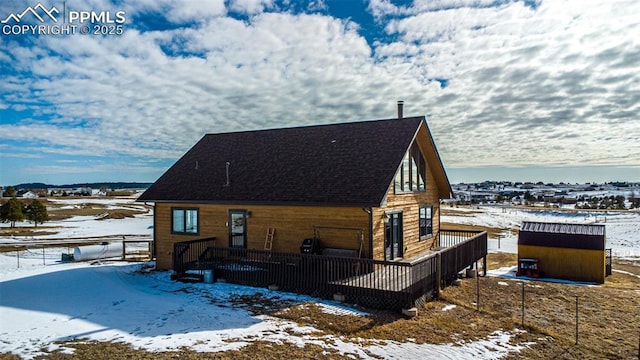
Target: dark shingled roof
[[348, 164]]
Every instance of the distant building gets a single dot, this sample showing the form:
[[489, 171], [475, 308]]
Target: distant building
[[564, 251], [29, 195]]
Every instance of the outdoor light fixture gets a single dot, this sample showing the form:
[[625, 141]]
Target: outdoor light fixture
[[385, 218]]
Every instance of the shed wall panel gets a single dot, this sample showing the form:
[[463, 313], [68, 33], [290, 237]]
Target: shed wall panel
[[567, 263]]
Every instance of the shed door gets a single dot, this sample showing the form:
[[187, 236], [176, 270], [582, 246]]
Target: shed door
[[238, 229], [393, 237]]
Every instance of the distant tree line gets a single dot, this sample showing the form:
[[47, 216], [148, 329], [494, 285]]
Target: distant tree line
[[606, 202], [15, 210]]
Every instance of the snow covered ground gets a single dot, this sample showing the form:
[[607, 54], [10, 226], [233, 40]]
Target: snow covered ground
[[90, 226], [622, 229], [42, 304]]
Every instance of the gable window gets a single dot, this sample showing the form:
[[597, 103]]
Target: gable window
[[184, 221], [426, 221], [411, 174]]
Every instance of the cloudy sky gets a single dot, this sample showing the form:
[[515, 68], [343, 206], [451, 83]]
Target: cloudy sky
[[513, 90]]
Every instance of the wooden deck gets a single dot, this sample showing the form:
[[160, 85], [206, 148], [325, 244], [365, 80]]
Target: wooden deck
[[371, 283]]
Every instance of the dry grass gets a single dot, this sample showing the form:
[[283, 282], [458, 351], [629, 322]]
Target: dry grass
[[609, 316], [491, 232], [91, 209], [261, 350], [28, 231]]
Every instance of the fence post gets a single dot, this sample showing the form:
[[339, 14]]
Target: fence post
[[18, 256], [43, 255], [477, 289], [523, 305], [576, 320], [438, 273]]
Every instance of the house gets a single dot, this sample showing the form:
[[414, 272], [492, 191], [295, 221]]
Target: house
[[29, 195], [368, 189], [563, 251]]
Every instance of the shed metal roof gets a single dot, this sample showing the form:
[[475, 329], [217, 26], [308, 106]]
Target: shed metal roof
[[563, 228]]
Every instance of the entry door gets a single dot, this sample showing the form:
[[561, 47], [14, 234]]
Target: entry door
[[238, 229], [393, 240]]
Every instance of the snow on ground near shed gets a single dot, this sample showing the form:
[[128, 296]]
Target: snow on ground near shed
[[509, 272], [622, 229], [114, 302]]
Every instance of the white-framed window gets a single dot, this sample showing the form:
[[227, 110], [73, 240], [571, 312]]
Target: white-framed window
[[184, 221]]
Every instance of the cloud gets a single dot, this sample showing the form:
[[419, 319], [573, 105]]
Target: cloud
[[317, 5], [554, 84], [250, 7], [526, 76]]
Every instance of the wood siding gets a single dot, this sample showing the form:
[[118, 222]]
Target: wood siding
[[409, 204], [567, 263], [293, 224]]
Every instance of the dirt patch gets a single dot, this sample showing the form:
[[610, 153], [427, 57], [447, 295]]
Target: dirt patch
[[29, 231], [454, 211], [500, 260], [491, 232]]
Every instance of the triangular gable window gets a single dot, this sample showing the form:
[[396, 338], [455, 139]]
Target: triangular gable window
[[412, 172]]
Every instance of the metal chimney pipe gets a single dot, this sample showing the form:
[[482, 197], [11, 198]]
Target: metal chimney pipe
[[227, 168], [400, 105]]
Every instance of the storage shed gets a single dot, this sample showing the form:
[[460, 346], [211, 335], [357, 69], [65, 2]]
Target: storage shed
[[565, 251]]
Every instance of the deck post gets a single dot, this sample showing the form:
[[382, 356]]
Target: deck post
[[484, 266], [438, 273]]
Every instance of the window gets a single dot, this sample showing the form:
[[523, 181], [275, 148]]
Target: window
[[411, 174], [426, 222], [184, 221]]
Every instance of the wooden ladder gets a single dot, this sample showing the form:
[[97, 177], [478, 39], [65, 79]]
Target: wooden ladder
[[268, 242]]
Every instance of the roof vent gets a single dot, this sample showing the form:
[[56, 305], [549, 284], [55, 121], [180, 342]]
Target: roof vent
[[400, 105]]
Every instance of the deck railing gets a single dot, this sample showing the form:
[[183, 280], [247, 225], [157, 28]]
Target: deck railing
[[371, 283], [463, 248], [186, 253]]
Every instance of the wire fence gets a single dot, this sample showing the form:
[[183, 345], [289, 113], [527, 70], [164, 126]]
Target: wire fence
[[49, 254], [592, 317]]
